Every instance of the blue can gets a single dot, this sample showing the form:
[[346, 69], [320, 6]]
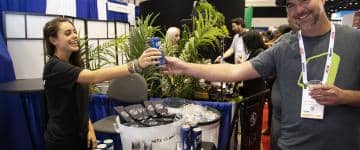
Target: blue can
[[155, 42], [196, 138], [193, 125], [185, 133]]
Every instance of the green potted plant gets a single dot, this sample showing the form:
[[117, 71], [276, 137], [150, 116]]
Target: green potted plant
[[207, 28], [99, 56]]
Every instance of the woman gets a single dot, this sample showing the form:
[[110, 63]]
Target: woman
[[66, 86], [173, 35], [254, 45]]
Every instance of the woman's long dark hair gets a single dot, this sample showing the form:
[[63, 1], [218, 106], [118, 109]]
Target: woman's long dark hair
[[51, 29], [253, 40]]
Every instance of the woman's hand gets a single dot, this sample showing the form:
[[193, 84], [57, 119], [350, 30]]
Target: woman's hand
[[91, 139], [149, 57]]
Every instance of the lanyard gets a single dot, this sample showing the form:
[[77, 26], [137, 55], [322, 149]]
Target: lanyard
[[328, 59]]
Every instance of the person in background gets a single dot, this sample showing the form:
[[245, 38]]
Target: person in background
[[173, 35], [66, 86], [283, 29], [254, 45], [324, 116], [172, 41], [237, 46], [269, 37]]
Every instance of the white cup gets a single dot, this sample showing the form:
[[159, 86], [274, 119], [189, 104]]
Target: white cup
[[312, 83]]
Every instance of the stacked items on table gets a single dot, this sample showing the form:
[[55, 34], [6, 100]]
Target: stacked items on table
[[153, 114]]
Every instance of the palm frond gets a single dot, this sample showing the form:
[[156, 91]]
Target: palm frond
[[208, 27]]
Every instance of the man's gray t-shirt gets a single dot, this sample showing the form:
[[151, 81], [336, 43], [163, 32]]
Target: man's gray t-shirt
[[340, 128]]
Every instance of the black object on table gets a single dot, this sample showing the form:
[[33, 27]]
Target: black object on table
[[23, 87], [133, 91]]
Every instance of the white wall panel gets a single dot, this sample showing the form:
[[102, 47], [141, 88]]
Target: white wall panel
[[111, 29], [61, 7], [268, 22], [120, 28], [102, 10], [97, 29], [15, 25], [80, 27], [35, 25], [27, 57], [127, 28], [259, 3]]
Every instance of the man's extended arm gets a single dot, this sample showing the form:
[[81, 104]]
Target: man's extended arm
[[212, 72]]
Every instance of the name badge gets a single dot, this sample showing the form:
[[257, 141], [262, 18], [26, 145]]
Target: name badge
[[310, 108]]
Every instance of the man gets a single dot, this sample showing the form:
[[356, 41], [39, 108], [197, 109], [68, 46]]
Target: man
[[237, 45], [320, 117], [274, 115]]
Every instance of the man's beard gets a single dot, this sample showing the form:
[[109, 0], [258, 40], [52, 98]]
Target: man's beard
[[314, 19]]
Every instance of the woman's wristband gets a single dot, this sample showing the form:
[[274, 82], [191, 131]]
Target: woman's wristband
[[134, 67]]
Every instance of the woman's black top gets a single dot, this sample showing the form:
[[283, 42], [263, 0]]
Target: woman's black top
[[253, 86], [67, 104]]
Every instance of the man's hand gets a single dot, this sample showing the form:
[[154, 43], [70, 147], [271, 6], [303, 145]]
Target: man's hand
[[327, 94], [174, 66]]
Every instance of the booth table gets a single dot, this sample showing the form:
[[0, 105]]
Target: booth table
[[98, 111], [31, 95], [22, 86], [30, 92]]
